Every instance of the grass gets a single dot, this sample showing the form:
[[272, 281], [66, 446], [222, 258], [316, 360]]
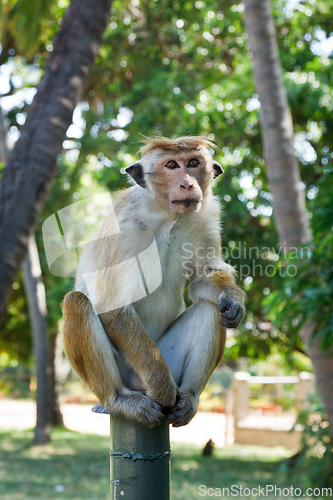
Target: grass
[[75, 466], [230, 466], [77, 462]]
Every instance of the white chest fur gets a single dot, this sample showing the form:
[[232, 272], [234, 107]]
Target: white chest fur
[[160, 308]]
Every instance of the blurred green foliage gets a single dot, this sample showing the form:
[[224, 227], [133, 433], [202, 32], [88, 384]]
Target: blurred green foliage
[[316, 455], [309, 294], [27, 27], [176, 68]]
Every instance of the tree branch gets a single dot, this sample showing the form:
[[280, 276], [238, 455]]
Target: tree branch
[[32, 163]]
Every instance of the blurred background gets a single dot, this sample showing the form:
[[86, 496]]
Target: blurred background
[[177, 68]]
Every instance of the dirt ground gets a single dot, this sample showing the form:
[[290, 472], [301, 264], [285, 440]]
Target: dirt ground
[[17, 414]]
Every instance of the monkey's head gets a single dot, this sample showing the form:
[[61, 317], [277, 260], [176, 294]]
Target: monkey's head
[[177, 173]]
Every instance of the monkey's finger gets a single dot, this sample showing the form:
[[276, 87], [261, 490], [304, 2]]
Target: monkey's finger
[[229, 307], [150, 413], [167, 410], [182, 412], [234, 314], [233, 319], [225, 305], [227, 323], [178, 418]]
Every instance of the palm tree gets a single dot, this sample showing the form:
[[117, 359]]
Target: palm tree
[[32, 164], [283, 167]]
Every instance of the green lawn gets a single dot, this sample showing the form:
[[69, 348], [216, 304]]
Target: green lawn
[[78, 465]]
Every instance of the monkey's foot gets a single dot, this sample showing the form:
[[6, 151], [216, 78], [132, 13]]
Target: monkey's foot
[[184, 410], [99, 408], [134, 405]]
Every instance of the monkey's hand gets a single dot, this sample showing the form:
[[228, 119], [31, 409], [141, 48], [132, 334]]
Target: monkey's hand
[[183, 411], [231, 306]]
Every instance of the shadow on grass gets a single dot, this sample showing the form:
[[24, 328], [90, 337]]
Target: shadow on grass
[[231, 468], [75, 466]]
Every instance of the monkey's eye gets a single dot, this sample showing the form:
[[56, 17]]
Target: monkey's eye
[[172, 164], [193, 163]]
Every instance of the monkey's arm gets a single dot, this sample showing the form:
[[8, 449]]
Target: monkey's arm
[[127, 334], [205, 333], [219, 286]]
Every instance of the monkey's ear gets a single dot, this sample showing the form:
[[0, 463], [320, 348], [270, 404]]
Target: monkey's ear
[[136, 172], [218, 170]]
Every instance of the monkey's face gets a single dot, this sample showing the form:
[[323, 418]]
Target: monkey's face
[[177, 181], [181, 181]]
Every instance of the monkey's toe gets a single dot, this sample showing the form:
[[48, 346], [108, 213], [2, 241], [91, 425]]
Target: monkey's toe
[[99, 408], [139, 407], [151, 414], [183, 411]]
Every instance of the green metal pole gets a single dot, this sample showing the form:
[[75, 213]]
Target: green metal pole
[[140, 460]]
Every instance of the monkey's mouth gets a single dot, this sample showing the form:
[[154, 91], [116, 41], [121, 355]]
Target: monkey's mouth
[[187, 201]]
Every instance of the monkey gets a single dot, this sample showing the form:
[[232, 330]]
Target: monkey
[[127, 332]]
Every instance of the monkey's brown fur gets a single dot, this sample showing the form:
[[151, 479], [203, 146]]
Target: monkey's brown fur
[[175, 145], [150, 359]]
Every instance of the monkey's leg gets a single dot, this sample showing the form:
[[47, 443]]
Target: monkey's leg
[[192, 347], [128, 335], [92, 356]]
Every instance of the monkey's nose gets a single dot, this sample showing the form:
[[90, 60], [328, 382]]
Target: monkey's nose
[[186, 185]]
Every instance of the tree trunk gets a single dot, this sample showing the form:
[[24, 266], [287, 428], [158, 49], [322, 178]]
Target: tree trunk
[[3, 138], [283, 168], [32, 163], [36, 298], [276, 127], [56, 419]]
